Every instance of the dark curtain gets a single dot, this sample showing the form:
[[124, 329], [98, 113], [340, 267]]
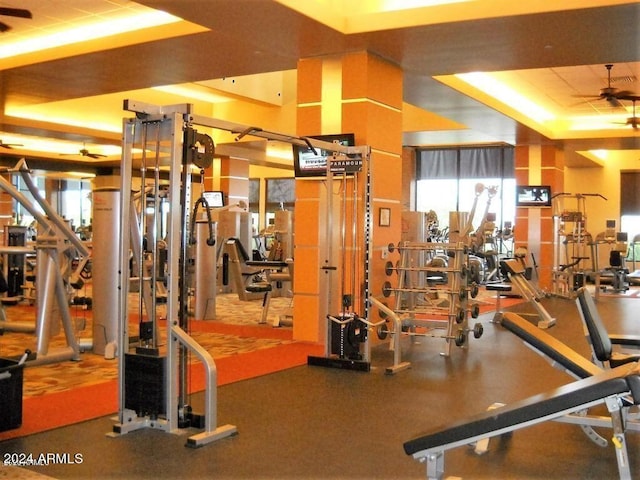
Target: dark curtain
[[480, 162], [437, 164]]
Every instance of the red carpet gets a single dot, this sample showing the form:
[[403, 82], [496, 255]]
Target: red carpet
[[488, 304], [58, 409]]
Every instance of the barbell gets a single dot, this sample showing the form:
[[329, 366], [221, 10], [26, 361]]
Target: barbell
[[459, 338]]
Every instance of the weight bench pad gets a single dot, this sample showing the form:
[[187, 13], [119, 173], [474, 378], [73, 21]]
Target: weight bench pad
[[513, 266], [549, 346], [508, 418], [258, 288], [499, 287]]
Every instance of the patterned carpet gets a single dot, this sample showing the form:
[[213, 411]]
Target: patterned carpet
[[234, 331], [93, 369]]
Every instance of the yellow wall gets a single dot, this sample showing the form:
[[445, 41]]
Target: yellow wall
[[606, 181]]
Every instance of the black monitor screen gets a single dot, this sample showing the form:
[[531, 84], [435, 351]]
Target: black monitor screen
[[306, 163], [533, 196], [215, 199]]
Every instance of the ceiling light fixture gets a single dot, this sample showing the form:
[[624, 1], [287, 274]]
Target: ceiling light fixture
[[600, 154], [87, 32]]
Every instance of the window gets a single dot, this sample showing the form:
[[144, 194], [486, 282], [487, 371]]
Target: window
[[447, 180], [76, 203], [280, 195], [22, 215]]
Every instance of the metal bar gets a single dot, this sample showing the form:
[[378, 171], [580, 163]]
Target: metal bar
[[51, 214], [129, 131], [142, 290]]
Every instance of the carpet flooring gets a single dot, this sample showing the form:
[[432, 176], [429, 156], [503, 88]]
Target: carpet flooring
[[241, 347]]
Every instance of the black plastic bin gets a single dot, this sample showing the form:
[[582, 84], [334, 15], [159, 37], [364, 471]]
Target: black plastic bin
[[10, 394]]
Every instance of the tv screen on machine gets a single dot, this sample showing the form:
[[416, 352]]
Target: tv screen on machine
[[306, 163], [533, 196]]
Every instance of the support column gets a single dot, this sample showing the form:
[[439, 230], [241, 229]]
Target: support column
[[362, 94], [231, 176], [538, 165]]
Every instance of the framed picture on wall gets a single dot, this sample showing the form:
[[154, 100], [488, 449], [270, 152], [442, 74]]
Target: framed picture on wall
[[384, 217]]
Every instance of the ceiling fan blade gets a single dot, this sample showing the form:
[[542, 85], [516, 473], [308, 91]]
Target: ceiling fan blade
[[624, 93], [633, 97], [4, 27], [15, 12], [594, 97], [613, 101]]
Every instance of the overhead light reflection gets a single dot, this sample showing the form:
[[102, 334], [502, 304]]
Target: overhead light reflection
[[392, 5], [194, 92], [83, 33], [505, 94]]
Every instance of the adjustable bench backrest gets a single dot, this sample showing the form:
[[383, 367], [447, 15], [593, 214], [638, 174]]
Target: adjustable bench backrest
[[513, 266], [549, 346], [598, 335], [244, 256]]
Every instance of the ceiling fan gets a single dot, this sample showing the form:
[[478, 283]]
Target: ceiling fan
[[83, 152], [612, 94], [633, 121], [12, 12], [9, 145]]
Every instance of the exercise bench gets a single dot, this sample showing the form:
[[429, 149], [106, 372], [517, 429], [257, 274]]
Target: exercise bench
[[617, 388], [608, 386], [600, 341], [565, 358]]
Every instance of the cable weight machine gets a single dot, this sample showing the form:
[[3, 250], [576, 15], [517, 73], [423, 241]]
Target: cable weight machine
[[347, 345], [153, 375]]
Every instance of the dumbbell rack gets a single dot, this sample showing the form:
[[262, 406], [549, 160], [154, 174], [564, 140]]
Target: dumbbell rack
[[420, 315]]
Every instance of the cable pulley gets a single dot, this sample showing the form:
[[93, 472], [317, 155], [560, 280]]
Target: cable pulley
[[200, 148]]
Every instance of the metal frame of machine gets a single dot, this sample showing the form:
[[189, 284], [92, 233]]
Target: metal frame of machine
[[153, 375]]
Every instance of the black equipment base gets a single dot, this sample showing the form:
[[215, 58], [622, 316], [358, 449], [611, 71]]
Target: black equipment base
[[341, 363]]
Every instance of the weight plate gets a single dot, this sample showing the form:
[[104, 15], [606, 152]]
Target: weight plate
[[478, 330], [382, 332], [203, 151], [388, 268]]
